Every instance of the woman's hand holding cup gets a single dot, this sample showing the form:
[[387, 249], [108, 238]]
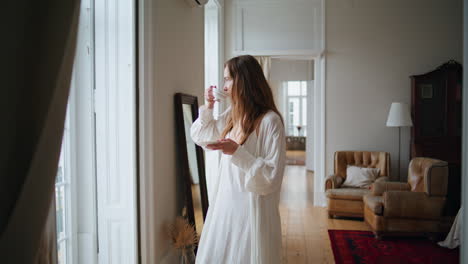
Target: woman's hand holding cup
[[209, 97]]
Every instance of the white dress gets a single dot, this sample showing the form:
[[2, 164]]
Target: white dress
[[243, 223]]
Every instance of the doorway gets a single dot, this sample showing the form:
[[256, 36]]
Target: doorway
[[292, 82]]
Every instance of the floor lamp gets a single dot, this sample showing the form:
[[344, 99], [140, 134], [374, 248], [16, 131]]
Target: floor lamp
[[399, 116]]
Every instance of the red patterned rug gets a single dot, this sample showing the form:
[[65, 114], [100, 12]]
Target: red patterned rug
[[356, 247]]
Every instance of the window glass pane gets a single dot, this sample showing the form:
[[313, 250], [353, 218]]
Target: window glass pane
[[59, 177], [294, 88], [295, 110], [294, 115], [60, 211], [304, 88], [290, 118], [62, 252], [61, 191]]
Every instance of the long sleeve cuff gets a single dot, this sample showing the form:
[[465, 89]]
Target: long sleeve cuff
[[205, 114], [243, 159]]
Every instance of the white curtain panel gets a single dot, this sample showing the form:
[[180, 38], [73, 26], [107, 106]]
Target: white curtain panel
[[265, 62]]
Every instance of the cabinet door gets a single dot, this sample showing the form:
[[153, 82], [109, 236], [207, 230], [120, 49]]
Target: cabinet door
[[431, 107], [454, 104]]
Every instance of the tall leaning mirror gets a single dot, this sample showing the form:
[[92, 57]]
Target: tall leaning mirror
[[192, 161]]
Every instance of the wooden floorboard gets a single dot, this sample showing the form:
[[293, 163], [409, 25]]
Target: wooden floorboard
[[305, 227]]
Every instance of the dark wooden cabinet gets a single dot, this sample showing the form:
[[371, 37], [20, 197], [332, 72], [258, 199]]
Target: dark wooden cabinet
[[436, 108], [295, 143]]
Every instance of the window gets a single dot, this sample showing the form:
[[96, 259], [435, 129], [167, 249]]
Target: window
[[99, 142], [62, 200], [296, 101]]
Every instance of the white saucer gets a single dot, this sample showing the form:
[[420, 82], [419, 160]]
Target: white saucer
[[205, 143]]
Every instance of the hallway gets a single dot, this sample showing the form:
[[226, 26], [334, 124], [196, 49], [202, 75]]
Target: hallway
[[304, 227]]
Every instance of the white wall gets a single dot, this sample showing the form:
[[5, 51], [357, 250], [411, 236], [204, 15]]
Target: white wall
[[291, 70], [264, 27], [372, 49], [172, 36]]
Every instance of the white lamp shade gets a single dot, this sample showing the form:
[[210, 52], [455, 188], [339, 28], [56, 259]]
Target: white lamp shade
[[399, 115]]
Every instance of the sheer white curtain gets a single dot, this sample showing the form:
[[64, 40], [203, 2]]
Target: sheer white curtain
[[265, 62]]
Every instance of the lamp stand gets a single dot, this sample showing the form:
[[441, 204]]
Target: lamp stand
[[399, 145]]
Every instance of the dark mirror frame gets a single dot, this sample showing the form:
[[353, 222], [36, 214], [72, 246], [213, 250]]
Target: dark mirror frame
[[180, 99]]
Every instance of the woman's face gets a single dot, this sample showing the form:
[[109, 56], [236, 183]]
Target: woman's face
[[227, 87]]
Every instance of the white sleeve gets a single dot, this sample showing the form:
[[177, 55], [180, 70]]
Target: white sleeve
[[264, 174], [206, 128]]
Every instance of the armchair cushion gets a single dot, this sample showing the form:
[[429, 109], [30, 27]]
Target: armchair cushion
[[355, 194], [360, 177], [333, 182], [374, 203], [379, 187], [416, 205]]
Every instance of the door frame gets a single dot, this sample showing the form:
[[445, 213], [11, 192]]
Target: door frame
[[146, 76]]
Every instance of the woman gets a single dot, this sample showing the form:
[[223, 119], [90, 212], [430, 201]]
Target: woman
[[243, 222]]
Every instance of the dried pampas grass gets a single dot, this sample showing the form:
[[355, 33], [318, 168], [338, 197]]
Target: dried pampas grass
[[182, 234]]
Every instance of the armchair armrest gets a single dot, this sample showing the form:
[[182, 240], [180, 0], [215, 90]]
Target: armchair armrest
[[404, 204], [380, 187], [333, 182]]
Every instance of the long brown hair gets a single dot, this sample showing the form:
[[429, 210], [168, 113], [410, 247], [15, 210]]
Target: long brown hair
[[251, 95]]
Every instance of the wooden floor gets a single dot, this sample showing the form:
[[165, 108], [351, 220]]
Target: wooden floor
[[197, 208], [304, 227], [295, 157]]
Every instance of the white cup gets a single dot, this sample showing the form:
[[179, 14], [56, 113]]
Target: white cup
[[219, 94]]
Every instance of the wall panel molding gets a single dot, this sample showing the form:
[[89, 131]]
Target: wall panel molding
[[277, 25]]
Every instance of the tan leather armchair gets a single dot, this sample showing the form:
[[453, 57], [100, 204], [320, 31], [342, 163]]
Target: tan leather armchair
[[349, 201], [411, 208]]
